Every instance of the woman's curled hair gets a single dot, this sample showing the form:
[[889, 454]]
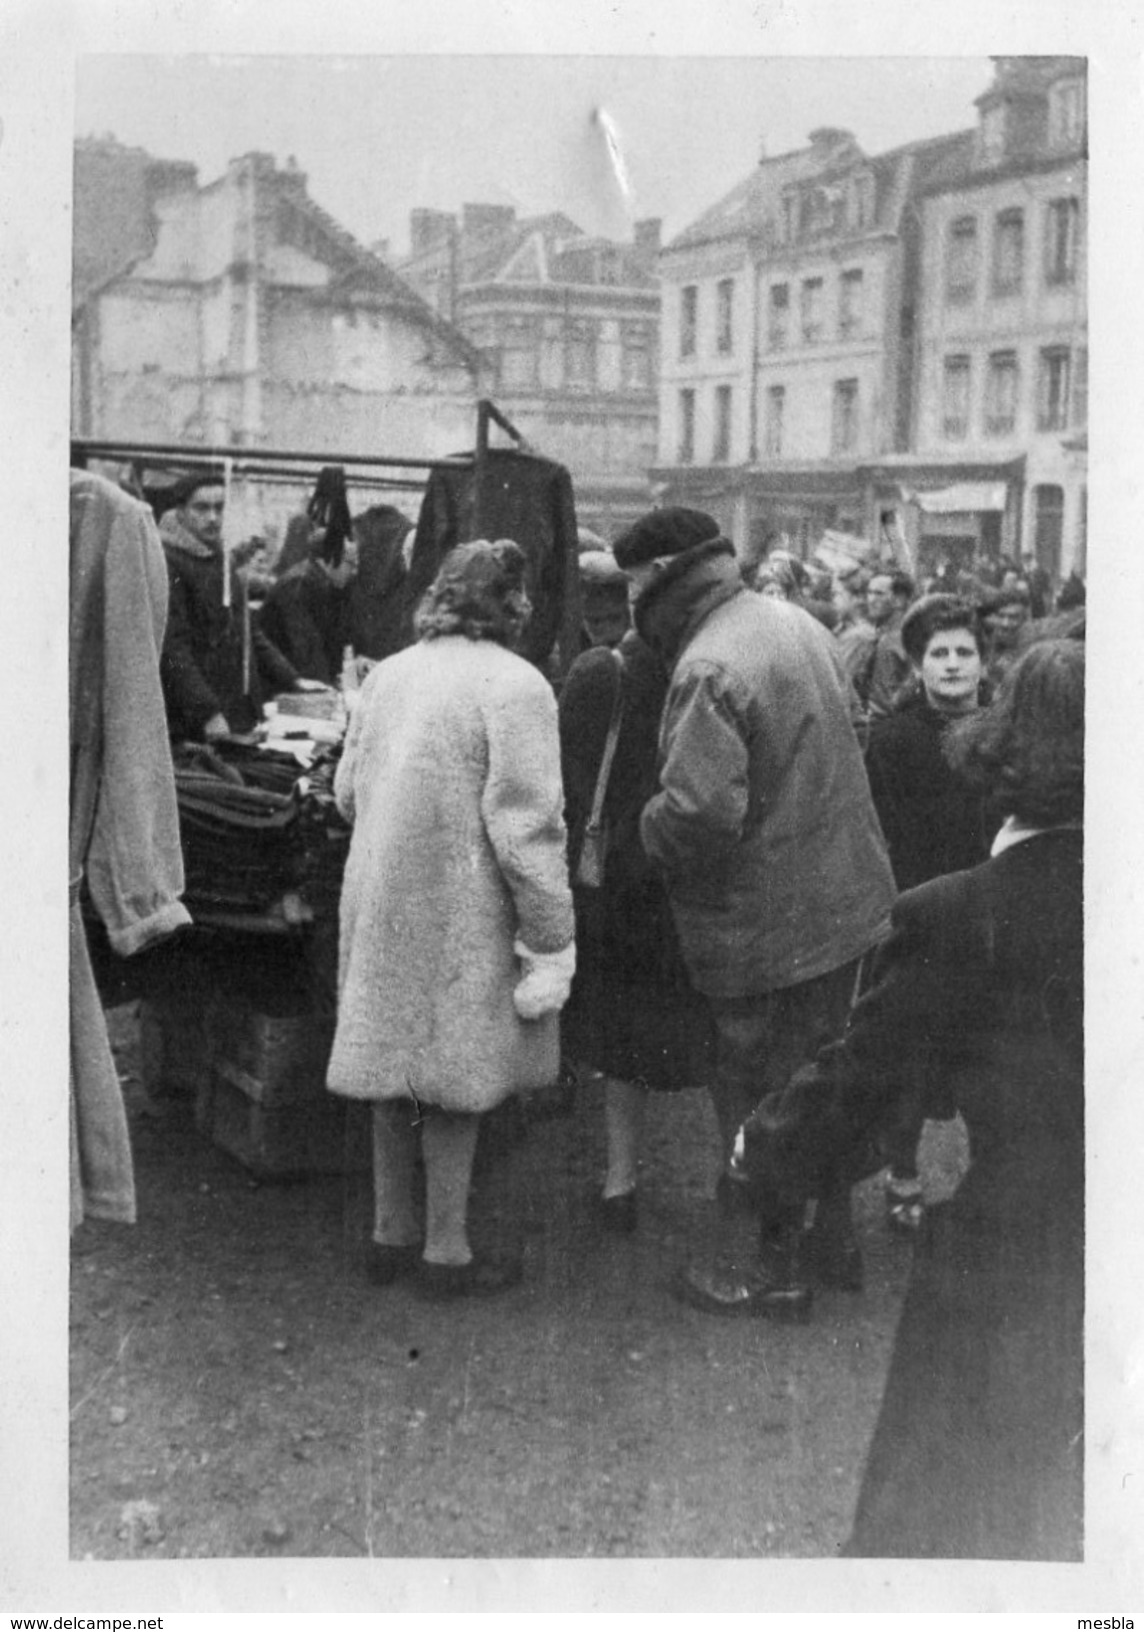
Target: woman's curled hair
[[479, 593], [1027, 747]]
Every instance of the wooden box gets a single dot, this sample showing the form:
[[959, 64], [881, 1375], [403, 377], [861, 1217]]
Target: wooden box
[[272, 1059], [324, 1134]]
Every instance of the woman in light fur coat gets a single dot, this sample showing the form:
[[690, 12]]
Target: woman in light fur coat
[[456, 938]]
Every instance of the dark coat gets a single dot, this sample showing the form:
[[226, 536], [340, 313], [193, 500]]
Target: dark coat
[[376, 595], [202, 664], [308, 619], [978, 1450], [633, 1013], [519, 496], [763, 825], [932, 820]]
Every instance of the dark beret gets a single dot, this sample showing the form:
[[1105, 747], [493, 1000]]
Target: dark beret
[[670, 531], [187, 486]]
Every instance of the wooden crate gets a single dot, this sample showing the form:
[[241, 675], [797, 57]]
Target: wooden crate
[[325, 1134], [275, 1060], [175, 1045]]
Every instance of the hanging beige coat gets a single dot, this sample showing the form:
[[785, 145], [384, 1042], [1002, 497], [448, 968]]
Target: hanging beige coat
[[123, 819], [451, 777]]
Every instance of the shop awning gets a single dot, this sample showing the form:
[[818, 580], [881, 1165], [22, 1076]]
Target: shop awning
[[960, 498]]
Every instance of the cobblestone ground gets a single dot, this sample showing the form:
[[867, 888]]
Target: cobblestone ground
[[239, 1390]]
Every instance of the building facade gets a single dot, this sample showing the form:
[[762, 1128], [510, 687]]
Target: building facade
[[240, 313], [785, 359], [568, 326], [1000, 428]]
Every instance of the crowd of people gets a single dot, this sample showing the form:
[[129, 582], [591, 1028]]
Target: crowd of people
[[810, 843]]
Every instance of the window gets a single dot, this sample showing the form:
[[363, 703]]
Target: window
[[850, 303], [520, 354], [688, 320], [961, 261], [721, 450], [1062, 233], [1048, 527], [1053, 389], [580, 355], [844, 424], [1001, 394], [1008, 252], [955, 399], [778, 312], [724, 312], [636, 354], [1066, 113], [1080, 387], [862, 202], [812, 309], [993, 133], [686, 427], [773, 431]]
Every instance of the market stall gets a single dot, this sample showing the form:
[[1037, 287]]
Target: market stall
[[238, 1010]]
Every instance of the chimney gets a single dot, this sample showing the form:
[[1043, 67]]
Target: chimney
[[830, 136], [430, 229], [477, 220], [762, 150], [647, 236]]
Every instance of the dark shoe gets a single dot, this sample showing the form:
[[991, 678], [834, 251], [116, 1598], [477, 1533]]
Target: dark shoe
[[620, 1214], [384, 1264], [833, 1261], [723, 1292], [481, 1277]]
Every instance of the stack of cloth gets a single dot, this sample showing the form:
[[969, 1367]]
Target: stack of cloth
[[239, 819]]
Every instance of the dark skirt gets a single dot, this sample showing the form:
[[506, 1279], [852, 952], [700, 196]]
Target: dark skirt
[[633, 1013]]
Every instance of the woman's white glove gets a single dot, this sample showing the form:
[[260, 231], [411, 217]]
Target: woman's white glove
[[546, 982]]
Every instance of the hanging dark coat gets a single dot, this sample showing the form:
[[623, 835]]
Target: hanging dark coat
[[522, 497]]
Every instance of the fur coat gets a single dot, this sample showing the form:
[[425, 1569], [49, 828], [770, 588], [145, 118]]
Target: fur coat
[[451, 778]]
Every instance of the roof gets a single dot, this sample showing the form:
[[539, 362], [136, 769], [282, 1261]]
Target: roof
[[753, 205]]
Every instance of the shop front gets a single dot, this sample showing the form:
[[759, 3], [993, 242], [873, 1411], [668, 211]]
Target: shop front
[[965, 516]]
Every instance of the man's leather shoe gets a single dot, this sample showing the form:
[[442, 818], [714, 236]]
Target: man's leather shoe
[[720, 1291]]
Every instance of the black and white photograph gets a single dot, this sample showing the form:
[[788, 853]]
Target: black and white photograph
[[601, 1071]]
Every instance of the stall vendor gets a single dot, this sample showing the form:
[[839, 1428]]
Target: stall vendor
[[216, 665]]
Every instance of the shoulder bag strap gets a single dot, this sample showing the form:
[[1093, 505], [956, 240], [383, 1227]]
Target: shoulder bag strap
[[609, 754]]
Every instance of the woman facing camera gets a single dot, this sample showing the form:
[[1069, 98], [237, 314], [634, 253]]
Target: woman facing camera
[[456, 949], [933, 819], [978, 1450]]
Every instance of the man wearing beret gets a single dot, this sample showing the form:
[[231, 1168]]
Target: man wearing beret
[[215, 661], [771, 853]]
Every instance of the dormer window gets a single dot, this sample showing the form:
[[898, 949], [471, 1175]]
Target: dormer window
[[1066, 112], [993, 133]]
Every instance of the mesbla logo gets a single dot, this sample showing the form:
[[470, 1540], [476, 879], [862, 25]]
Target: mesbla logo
[[1117, 1623]]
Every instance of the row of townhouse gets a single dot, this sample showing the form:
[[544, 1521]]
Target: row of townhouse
[[892, 346]]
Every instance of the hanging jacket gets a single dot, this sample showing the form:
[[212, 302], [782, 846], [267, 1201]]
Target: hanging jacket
[[123, 823], [522, 497]]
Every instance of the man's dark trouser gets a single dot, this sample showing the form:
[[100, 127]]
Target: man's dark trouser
[[762, 1040]]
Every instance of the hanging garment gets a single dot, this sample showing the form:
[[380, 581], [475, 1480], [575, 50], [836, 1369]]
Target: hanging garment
[[519, 496], [123, 826]]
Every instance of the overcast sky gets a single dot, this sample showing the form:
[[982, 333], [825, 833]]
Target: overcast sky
[[379, 136]]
